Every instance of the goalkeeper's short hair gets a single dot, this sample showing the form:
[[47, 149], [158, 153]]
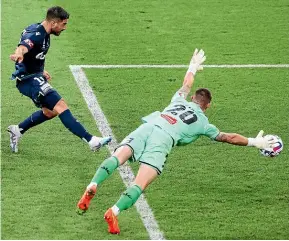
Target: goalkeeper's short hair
[[203, 95]]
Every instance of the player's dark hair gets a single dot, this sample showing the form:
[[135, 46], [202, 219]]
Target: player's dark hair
[[57, 12], [203, 95]]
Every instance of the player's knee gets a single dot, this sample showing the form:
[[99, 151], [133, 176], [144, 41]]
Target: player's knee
[[49, 113], [60, 107], [123, 153]]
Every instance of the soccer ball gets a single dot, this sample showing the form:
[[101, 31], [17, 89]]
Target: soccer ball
[[277, 147]]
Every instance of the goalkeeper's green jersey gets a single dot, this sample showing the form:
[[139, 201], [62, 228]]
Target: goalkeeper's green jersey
[[184, 121]]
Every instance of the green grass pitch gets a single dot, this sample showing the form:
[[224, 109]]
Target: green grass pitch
[[207, 190]]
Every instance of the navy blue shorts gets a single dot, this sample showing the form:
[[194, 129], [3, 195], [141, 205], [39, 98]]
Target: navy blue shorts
[[39, 91]]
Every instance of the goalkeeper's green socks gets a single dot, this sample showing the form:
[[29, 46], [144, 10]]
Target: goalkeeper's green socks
[[105, 170], [127, 199]]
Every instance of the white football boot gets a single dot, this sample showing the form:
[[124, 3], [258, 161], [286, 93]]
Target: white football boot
[[15, 135], [97, 142]]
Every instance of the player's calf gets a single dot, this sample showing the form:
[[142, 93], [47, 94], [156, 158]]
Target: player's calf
[[77, 129]]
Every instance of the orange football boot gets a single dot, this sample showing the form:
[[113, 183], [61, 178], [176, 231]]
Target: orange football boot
[[112, 222], [84, 202]]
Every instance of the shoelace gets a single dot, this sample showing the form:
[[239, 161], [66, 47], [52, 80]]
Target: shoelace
[[14, 138]]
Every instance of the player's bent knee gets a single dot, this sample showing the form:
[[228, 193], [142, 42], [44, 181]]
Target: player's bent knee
[[60, 107], [123, 153], [49, 113]]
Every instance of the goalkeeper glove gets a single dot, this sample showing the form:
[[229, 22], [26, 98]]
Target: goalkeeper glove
[[261, 142], [196, 62]]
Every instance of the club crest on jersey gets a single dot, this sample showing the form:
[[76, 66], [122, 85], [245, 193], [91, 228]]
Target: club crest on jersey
[[29, 42]]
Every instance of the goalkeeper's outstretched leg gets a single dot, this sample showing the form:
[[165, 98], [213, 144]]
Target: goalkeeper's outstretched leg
[[145, 176], [107, 167]]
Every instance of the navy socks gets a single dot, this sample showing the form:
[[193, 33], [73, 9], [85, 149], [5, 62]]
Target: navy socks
[[73, 125], [66, 118], [35, 119]]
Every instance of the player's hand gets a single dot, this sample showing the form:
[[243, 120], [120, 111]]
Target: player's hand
[[263, 142], [17, 57], [47, 75], [197, 60]]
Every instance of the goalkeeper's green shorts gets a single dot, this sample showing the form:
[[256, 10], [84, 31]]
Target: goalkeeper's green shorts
[[150, 144]]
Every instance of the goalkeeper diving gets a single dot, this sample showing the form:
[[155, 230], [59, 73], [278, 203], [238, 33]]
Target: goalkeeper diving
[[182, 122]]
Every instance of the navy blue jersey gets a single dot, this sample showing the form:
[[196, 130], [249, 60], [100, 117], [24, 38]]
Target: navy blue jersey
[[37, 40]]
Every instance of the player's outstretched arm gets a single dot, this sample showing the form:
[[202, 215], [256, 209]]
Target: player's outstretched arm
[[18, 56], [196, 62], [236, 139]]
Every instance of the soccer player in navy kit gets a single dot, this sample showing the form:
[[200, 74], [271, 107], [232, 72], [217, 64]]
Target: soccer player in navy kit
[[32, 81]]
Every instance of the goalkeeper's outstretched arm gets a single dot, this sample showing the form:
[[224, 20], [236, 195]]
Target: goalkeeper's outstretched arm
[[187, 85], [197, 60], [236, 139], [232, 138]]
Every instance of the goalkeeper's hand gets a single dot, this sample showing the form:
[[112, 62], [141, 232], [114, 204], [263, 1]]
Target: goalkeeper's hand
[[261, 142], [196, 62]]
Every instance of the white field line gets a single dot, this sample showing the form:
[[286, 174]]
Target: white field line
[[228, 66], [125, 171]]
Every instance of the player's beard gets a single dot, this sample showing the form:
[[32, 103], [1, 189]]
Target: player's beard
[[56, 33]]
